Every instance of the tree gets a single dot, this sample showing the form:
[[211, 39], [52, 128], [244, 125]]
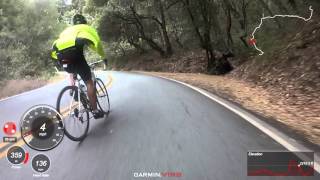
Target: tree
[[219, 27], [27, 30]]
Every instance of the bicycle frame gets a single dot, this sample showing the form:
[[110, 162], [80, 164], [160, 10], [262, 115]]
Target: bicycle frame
[[78, 84], [77, 106]]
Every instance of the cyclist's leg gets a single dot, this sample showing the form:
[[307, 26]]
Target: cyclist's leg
[[92, 94], [68, 59], [84, 71], [72, 79]]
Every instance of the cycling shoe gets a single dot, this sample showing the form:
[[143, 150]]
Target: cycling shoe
[[97, 114]]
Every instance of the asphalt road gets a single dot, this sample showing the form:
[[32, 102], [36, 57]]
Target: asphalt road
[[155, 126]]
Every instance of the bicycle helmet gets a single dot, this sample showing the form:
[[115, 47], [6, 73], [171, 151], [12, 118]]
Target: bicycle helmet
[[79, 19]]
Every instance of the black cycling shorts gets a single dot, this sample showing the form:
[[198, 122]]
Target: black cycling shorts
[[73, 61]]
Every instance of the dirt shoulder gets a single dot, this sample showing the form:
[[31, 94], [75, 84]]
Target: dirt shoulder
[[303, 119], [14, 87]]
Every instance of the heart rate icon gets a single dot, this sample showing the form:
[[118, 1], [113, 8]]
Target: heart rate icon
[[10, 128]]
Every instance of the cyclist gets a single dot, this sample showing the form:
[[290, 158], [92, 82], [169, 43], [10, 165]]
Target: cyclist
[[68, 51]]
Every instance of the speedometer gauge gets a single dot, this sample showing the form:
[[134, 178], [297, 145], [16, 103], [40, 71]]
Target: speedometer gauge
[[42, 128]]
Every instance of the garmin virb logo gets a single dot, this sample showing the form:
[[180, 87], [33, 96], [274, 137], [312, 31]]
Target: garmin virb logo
[[156, 174]]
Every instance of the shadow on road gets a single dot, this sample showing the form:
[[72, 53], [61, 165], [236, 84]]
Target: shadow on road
[[99, 129]]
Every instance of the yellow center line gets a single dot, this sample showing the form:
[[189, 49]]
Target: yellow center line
[[21, 142], [2, 145], [109, 84]]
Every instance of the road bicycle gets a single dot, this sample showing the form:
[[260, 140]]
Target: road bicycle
[[73, 104]]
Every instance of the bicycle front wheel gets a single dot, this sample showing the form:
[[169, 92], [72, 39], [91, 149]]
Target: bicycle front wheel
[[102, 96], [74, 112]]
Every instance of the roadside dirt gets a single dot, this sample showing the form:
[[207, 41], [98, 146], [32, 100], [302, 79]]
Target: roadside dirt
[[303, 118], [14, 87]]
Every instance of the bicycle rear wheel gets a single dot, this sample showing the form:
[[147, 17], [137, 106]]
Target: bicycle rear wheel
[[102, 96], [76, 118]]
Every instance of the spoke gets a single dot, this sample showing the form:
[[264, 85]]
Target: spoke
[[70, 106]]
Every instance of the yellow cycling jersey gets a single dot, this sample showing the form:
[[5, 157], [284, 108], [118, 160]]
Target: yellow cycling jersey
[[68, 38]]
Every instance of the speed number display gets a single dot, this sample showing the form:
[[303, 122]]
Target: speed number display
[[42, 128]]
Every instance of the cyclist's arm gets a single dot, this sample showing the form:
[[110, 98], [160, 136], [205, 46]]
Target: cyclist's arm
[[97, 47], [100, 50], [54, 52], [91, 34], [54, 55]]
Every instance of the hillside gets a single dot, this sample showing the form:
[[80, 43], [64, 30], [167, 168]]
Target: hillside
[[283, 85]]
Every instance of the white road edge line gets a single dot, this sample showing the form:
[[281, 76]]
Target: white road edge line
[[283, 139]]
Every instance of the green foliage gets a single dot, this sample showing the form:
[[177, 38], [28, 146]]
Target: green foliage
[[27, 31], [215, 25], [28, 28]]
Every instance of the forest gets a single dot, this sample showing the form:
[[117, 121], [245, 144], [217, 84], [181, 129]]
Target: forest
[[136, 27]]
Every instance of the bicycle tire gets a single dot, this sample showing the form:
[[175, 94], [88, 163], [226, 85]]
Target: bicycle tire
[[101, 87], [59, 109]]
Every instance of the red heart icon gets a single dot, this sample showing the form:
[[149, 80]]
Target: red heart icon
[[10, 128]]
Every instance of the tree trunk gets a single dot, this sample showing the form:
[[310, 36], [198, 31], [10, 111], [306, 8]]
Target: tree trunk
[[169, 50], [136, 45], [214, 66], [143, 36], [228, 28], [244, 23]]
